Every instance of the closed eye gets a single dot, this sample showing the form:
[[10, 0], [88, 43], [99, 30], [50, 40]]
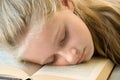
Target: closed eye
[[64, 38]]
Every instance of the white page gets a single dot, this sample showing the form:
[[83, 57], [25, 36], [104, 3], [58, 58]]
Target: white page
[[81, 71]]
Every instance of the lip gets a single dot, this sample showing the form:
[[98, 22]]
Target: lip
[[81, 57]]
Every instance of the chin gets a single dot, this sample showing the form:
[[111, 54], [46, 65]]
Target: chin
[[88, 58]]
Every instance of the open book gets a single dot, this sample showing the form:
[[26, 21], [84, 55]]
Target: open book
[[95, 69]]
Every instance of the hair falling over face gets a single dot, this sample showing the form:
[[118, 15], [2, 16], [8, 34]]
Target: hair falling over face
[[102, 18]]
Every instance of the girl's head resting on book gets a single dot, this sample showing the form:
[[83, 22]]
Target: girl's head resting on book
[[61, 32]]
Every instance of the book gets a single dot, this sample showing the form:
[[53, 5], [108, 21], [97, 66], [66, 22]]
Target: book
[[96, 69], [115, 75], [7, 59]]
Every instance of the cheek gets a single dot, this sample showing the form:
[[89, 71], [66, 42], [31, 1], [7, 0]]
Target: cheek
[[36, 54], [32, 55]]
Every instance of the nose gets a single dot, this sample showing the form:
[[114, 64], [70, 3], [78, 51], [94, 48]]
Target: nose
[[67, 57]]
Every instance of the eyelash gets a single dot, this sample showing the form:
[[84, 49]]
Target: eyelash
[[63, 41]]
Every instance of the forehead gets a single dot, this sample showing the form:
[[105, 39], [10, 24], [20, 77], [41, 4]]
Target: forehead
[[42, 38], [42, 31]]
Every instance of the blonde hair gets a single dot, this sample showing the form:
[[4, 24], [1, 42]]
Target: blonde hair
[[16, 16], [101, 16]]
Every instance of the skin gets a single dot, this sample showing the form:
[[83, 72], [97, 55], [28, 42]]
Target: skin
[[63, 40]]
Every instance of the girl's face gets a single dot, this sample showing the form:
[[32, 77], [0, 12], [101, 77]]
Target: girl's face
[[64, 40]]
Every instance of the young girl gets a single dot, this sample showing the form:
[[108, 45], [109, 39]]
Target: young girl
[[61, 32]]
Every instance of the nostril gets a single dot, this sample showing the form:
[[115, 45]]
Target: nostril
[[68, 56]]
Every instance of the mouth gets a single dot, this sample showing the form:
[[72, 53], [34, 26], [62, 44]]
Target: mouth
[[81, 57]]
